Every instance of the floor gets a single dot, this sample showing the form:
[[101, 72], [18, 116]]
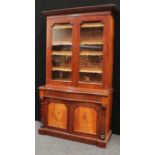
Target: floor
[[47, 145]]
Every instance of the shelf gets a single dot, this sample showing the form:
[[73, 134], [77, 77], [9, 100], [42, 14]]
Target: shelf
[[82, 53], [92, 25], [90, 82], [67, 26], [64, 69], [91, 47], [91, 43], [91, 70], [92, 53], [62, 53], [86, 25], [86, 70], [61, 43], [82, 43]]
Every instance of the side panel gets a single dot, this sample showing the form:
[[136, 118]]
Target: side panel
[[108, 52]]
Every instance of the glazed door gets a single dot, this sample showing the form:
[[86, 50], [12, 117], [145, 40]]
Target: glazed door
[[91, 51], [60, 51]]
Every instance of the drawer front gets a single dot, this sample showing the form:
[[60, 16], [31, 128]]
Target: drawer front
[[73, 96]]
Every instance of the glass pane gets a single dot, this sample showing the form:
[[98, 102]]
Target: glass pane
[[91, 52], [61, 51]]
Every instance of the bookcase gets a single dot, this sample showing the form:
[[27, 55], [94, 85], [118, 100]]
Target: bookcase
[[76, 100]]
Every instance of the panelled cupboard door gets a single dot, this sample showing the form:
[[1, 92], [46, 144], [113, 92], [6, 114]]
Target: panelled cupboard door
[[85, 120], [57, 115]]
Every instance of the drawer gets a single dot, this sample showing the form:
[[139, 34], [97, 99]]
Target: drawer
[[72, 96]]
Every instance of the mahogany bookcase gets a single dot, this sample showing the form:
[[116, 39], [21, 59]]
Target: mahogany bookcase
[[76, 101]]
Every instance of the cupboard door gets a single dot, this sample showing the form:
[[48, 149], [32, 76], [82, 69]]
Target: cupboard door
[[57, 115], [85, 120]]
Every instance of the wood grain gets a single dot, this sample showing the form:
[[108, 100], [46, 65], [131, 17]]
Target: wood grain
[[85, 120], [57, 115]]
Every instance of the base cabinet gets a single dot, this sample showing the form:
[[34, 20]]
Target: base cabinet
[[75, 117], [76, 120]]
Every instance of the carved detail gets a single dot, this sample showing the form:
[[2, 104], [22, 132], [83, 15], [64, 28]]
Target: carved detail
[[102, 131], [102, 136]]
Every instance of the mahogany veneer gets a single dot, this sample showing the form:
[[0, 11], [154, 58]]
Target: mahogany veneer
[[76, 101]]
